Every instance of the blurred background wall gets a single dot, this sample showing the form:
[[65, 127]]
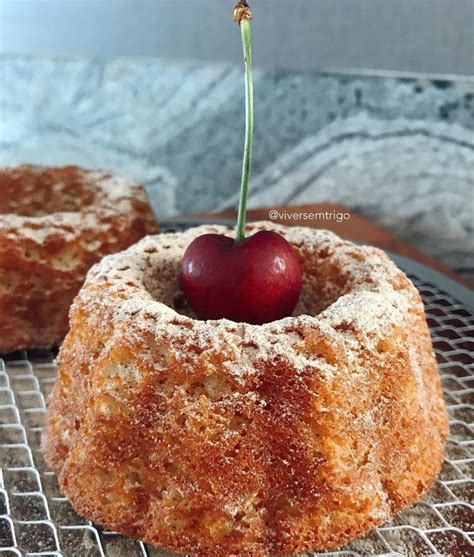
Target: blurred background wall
[[367, 103], [427, 36]]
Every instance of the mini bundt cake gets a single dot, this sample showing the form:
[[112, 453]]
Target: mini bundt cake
[[217, 438], [55, 223]]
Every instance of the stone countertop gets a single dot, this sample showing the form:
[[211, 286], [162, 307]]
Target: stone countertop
[[398, 151]]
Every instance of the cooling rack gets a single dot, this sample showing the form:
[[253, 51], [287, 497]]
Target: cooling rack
[[35, 519]]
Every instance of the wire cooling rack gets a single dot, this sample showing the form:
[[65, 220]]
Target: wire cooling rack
[[35, 519]]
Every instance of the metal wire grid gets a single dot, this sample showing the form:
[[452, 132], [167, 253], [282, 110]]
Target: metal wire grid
[[36, 520]]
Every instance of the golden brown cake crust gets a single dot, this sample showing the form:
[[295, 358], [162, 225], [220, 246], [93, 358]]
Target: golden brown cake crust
[[227, 439], [55, 223]]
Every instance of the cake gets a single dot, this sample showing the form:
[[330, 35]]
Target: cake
[[218, 438], [55, 223]]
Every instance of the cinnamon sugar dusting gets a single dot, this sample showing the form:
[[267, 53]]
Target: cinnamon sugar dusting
[[37, 202], [365, 299]]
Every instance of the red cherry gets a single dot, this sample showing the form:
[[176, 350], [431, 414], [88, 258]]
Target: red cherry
[[256, 281]]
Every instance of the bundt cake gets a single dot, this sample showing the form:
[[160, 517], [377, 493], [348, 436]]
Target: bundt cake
[[55, 223], [217, 438]]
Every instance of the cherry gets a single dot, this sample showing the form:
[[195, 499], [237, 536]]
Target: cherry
[[255, 281]]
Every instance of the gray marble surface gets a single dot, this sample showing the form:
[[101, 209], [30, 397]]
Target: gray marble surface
[[399, 151]]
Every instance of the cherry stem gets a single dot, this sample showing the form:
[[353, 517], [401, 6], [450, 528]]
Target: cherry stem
[[243, 16]]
